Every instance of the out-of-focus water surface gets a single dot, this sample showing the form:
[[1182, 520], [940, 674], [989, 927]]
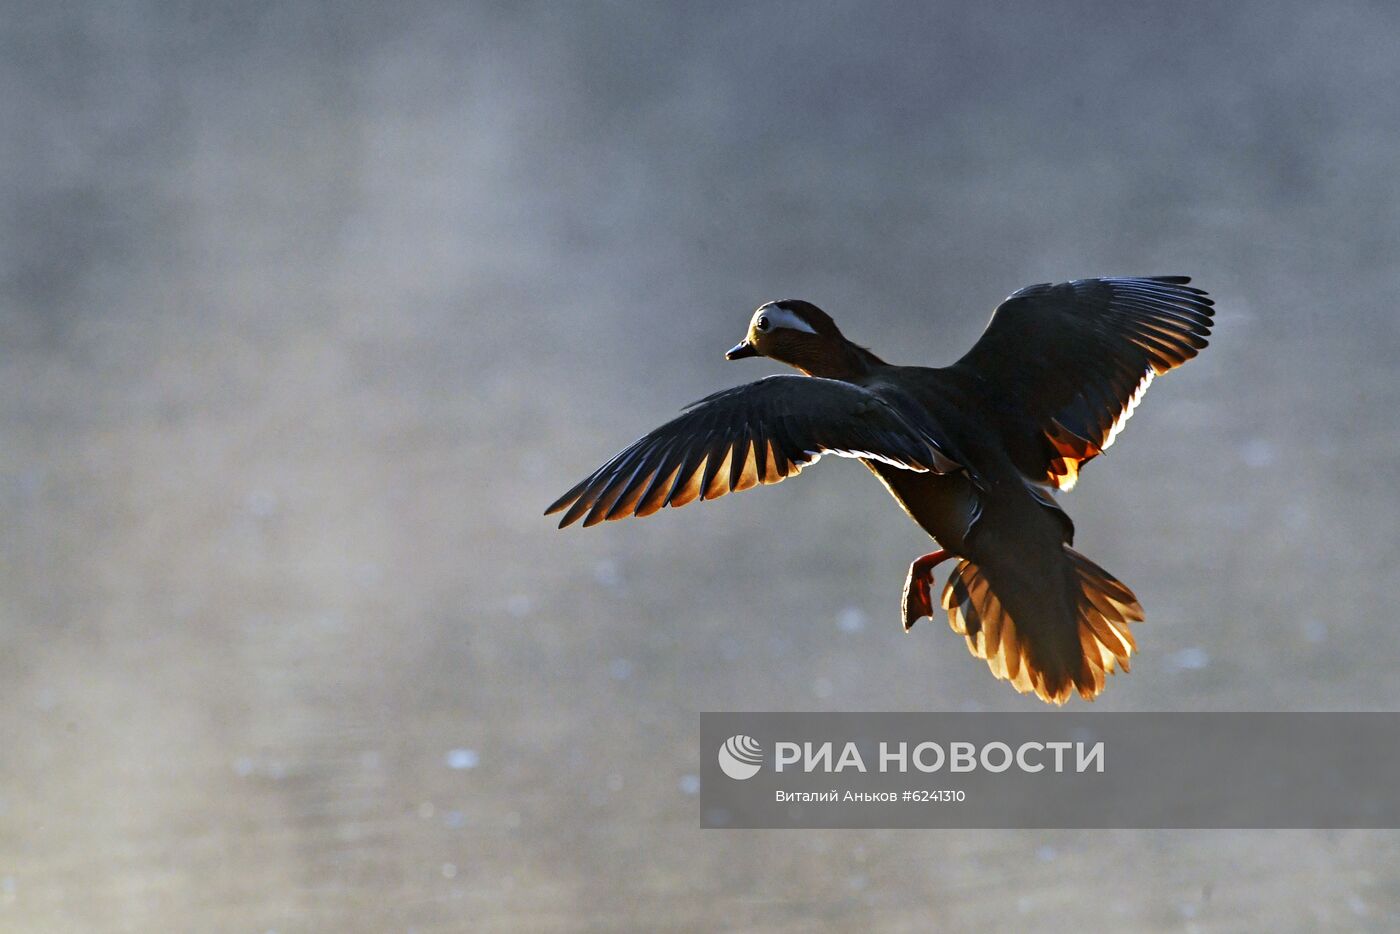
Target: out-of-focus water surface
[[307, 310]]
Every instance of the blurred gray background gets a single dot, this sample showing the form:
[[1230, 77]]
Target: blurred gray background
[[307, 311]]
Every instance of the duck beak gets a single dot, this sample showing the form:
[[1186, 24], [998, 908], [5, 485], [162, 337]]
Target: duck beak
[[741, 350]]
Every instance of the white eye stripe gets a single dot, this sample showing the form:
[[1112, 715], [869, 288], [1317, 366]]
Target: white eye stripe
[[779, 317]]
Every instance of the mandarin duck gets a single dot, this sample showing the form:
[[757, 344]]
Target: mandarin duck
[[971, 451]]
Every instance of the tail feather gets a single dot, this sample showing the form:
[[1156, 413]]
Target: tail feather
[[1033, 647]]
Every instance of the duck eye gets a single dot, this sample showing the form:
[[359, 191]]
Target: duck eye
[[763, 322]]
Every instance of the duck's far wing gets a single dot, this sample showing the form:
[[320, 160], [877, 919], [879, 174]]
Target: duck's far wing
[[1077, 356], [758, 433]]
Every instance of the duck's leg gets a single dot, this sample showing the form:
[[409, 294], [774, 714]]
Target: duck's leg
[[918, 588]]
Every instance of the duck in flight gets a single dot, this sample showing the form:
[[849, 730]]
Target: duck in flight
[[970, 451]]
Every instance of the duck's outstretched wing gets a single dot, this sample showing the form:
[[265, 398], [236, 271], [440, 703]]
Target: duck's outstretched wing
[[1077, 357], [762, 432]]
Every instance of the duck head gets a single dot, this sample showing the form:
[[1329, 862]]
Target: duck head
[[803, 336]]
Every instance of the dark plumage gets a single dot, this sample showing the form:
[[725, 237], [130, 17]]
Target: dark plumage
[[968, 450]]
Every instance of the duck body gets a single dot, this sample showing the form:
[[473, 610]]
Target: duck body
[[994, 519], [970, 451], [942, 504]]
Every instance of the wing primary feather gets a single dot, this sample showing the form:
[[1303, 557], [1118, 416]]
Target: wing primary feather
[[779, 459], [689, 465], [738, 458], [620, 479], [631, 492], [717, 470], [578, 489]]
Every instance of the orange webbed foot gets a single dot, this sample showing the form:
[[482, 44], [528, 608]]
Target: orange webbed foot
[[918, 587]]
